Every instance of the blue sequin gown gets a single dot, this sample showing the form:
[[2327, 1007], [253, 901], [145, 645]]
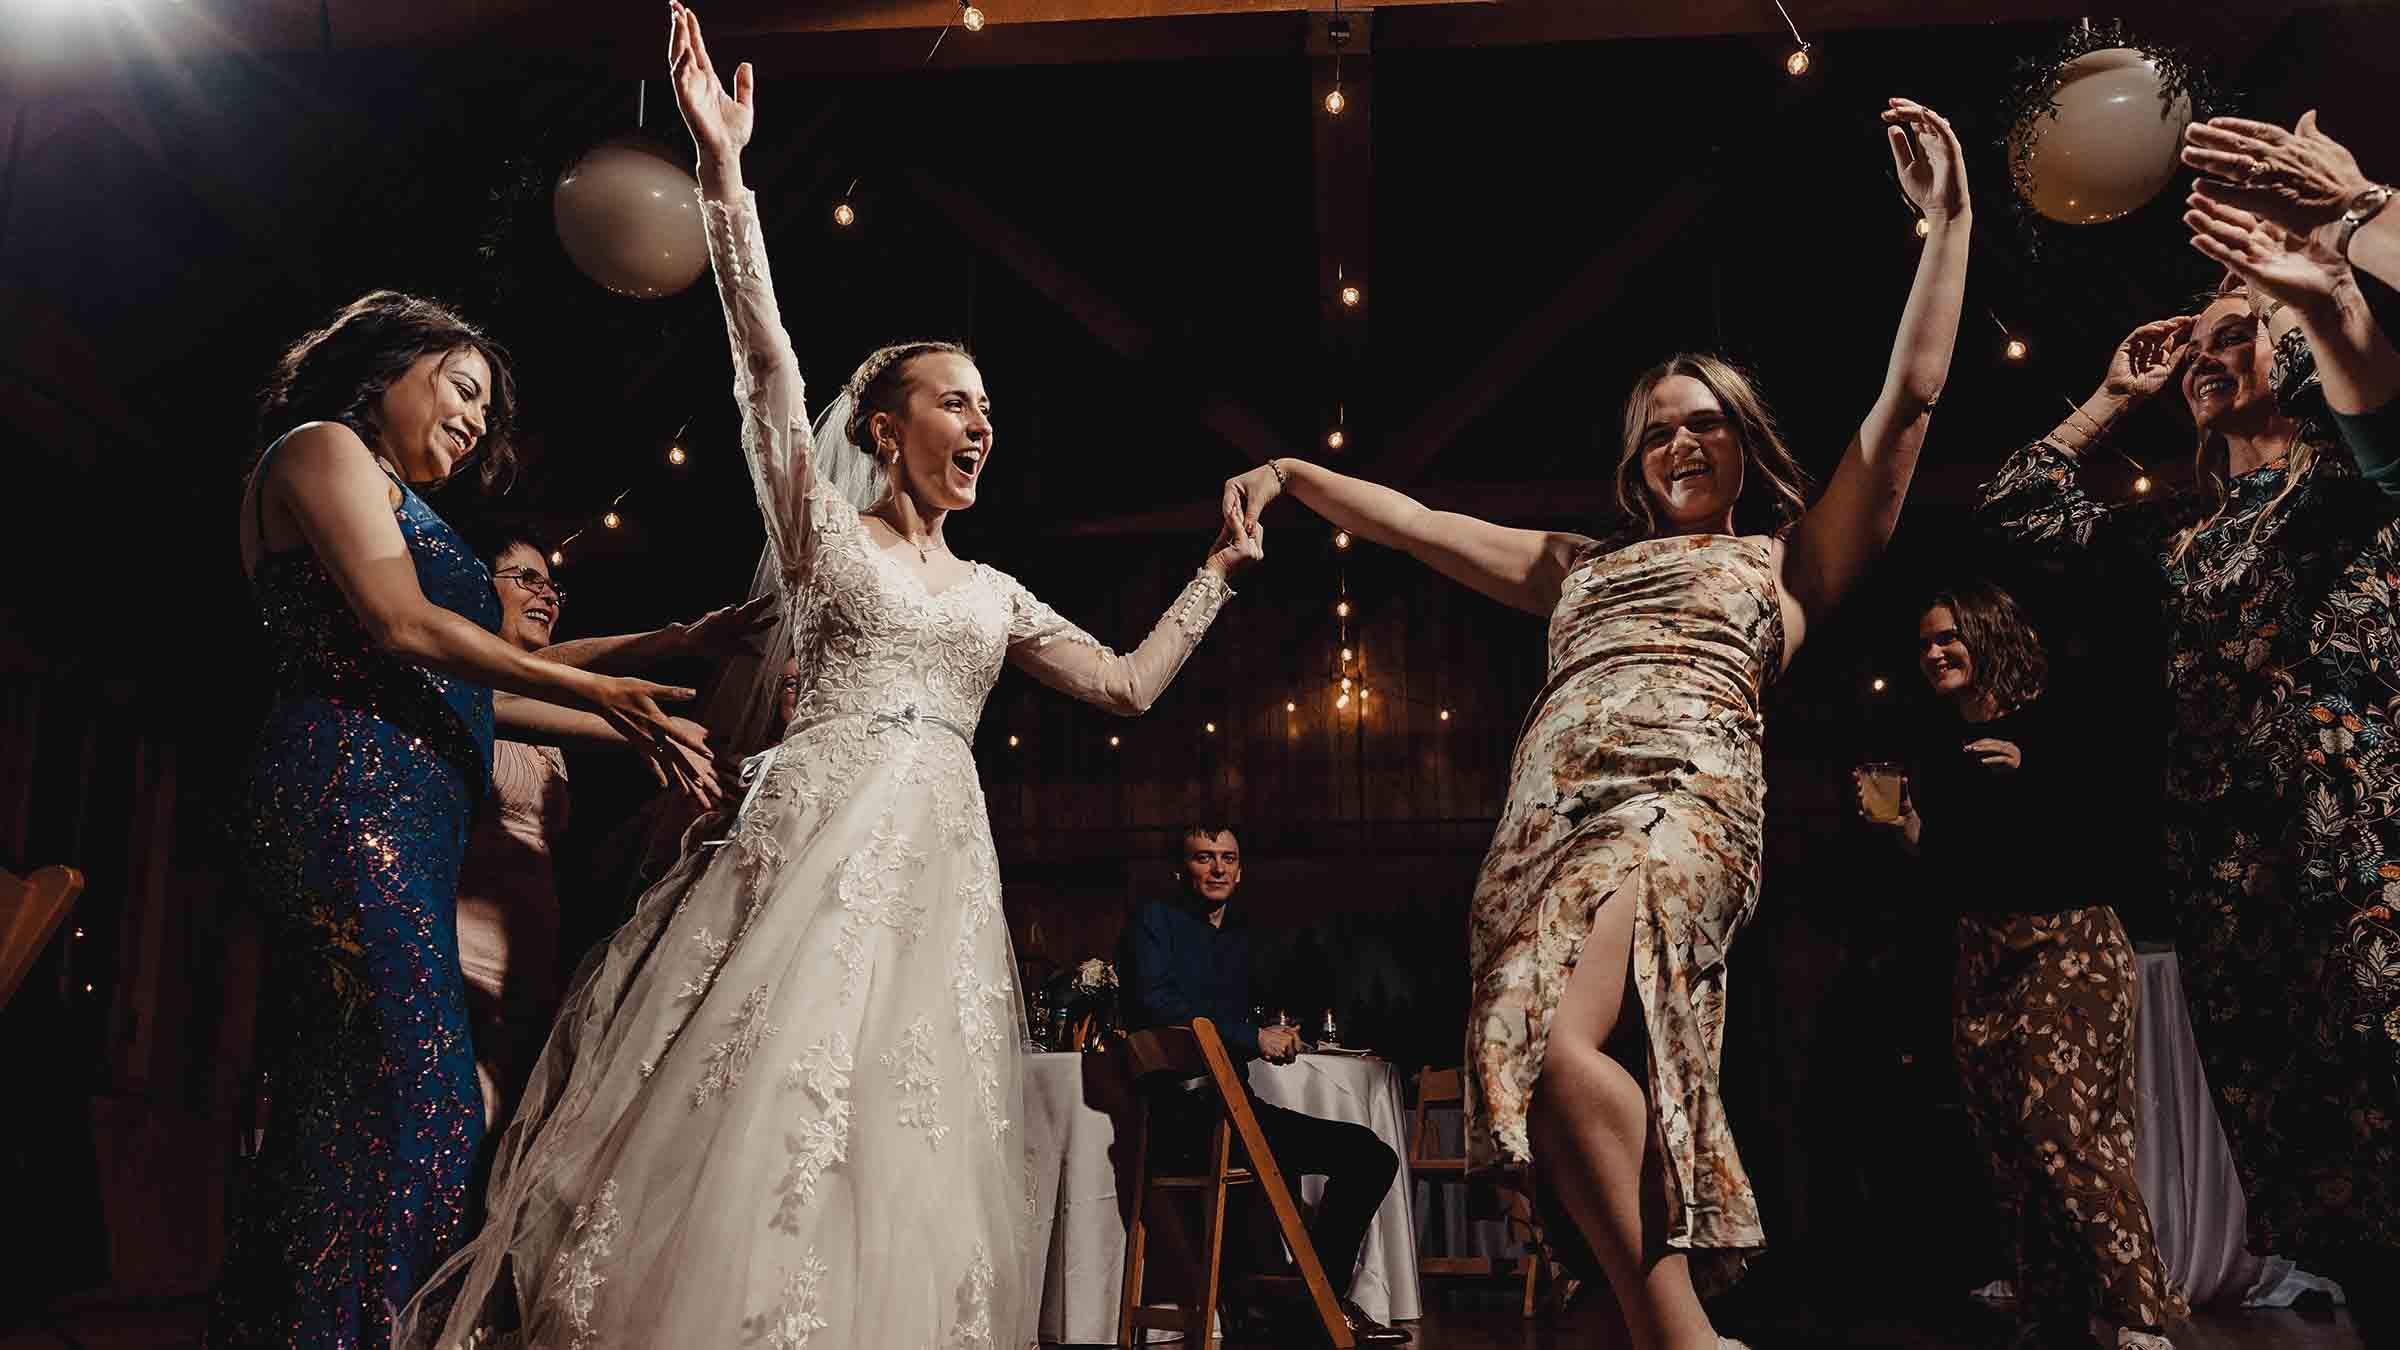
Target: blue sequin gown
[[362, 786]]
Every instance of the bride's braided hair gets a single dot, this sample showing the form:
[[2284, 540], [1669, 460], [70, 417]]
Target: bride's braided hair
[[880, 384]]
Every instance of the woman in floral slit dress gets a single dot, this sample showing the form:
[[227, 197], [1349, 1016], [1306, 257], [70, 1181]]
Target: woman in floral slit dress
[[1632, 827], [782, 1107]]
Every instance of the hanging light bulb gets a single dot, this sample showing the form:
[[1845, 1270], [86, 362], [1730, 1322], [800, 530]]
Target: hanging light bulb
[[844, 215], [1341, 539], [1345, 653], [2015, 350], [675, 455], [1797, 63], [79, 932], [558, 557], [1334, 439], [2141, 483], [1445, 714], [1342, 702], [1345, 684], [612, 520], [1113, 742], [1362, 693], [1012, 742], [1351, 297], [1877, 685], [1342, 610], [1334, 102], [1290, 706], [1209, 727], [971, 17]]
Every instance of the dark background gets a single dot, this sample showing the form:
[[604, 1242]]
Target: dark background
[[1135, 227]]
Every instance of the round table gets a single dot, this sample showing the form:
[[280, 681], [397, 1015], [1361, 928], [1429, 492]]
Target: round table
[[1071, 1141]]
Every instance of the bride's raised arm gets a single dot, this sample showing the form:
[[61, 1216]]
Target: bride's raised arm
[[766, 373]]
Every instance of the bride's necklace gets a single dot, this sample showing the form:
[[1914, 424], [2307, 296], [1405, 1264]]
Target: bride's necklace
[[924, 554]]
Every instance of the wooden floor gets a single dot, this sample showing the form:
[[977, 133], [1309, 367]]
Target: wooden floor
[[174, 1325]]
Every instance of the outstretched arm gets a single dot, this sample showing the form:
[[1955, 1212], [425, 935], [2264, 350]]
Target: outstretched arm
[[716, 633], [1522, 569], [1853, 521], [327, 482], [1073, 662], [766, 373]]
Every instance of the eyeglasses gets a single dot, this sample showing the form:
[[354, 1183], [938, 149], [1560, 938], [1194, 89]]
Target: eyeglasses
[[534, 583]]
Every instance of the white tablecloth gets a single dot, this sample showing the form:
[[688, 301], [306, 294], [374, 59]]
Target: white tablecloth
[[2181, 1159], [1072, 1142]]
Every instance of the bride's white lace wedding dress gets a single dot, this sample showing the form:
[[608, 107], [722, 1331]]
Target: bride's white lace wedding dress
[[782, 1107]]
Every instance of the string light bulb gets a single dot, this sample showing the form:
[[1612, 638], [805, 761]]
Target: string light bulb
[[2141, 484], [79, 932], [1012, 742], [1445, 714], [844, 215], [1796, 64], [1334, 439], [1342, 702], [1334, 102], [612, 520], [1345, 684], [971, 18], [2015, 350], [1341, 610], [1351, 297], [1341, 539], [1209, 727], [1114, 742], [1877, 685], [558, 557], [1290, 706], [1362, 693], [675, 455], [1345, 653]]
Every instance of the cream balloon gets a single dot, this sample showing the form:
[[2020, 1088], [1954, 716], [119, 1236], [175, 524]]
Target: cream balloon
[[2112, 146], [630, 218]]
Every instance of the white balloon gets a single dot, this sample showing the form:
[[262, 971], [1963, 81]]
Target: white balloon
[[630, 218], [2112, 146]]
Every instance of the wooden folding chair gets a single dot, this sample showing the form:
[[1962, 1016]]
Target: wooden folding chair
[[30, 911], [1196, 1051], [1443, 1087]]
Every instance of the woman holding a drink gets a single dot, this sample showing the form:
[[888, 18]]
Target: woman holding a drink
[[2044, 1029]]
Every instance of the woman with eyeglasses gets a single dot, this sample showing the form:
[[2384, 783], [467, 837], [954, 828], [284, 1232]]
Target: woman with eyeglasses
[[366, 773], [507, 892]]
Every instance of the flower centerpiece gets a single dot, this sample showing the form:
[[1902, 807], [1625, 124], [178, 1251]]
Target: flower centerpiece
[[1085, 999]]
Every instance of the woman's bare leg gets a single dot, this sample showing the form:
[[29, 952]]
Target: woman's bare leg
[[1594, 1147]]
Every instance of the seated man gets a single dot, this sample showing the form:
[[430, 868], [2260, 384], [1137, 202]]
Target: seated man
[[1179, 961]]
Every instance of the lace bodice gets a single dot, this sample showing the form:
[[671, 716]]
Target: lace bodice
[[871, 638]]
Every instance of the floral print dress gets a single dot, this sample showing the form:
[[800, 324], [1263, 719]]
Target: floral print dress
[[1638, 775], [2282, 843]]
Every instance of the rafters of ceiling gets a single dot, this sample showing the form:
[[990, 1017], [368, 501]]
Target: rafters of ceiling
[[75, 41]]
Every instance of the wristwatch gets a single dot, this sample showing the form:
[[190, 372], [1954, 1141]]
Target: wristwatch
[[2363, 208]]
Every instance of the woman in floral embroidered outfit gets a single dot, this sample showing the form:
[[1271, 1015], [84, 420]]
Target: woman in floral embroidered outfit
[[781, 1107], [2282, 846], [2047, 981], [1631, 832]]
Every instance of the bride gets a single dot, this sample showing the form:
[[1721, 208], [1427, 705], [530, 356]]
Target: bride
[[782, 1105]]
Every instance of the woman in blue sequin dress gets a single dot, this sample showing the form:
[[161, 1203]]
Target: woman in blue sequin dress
[[363, 781]]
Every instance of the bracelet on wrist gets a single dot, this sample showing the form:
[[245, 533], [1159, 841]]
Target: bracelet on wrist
[[1277, 466]]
